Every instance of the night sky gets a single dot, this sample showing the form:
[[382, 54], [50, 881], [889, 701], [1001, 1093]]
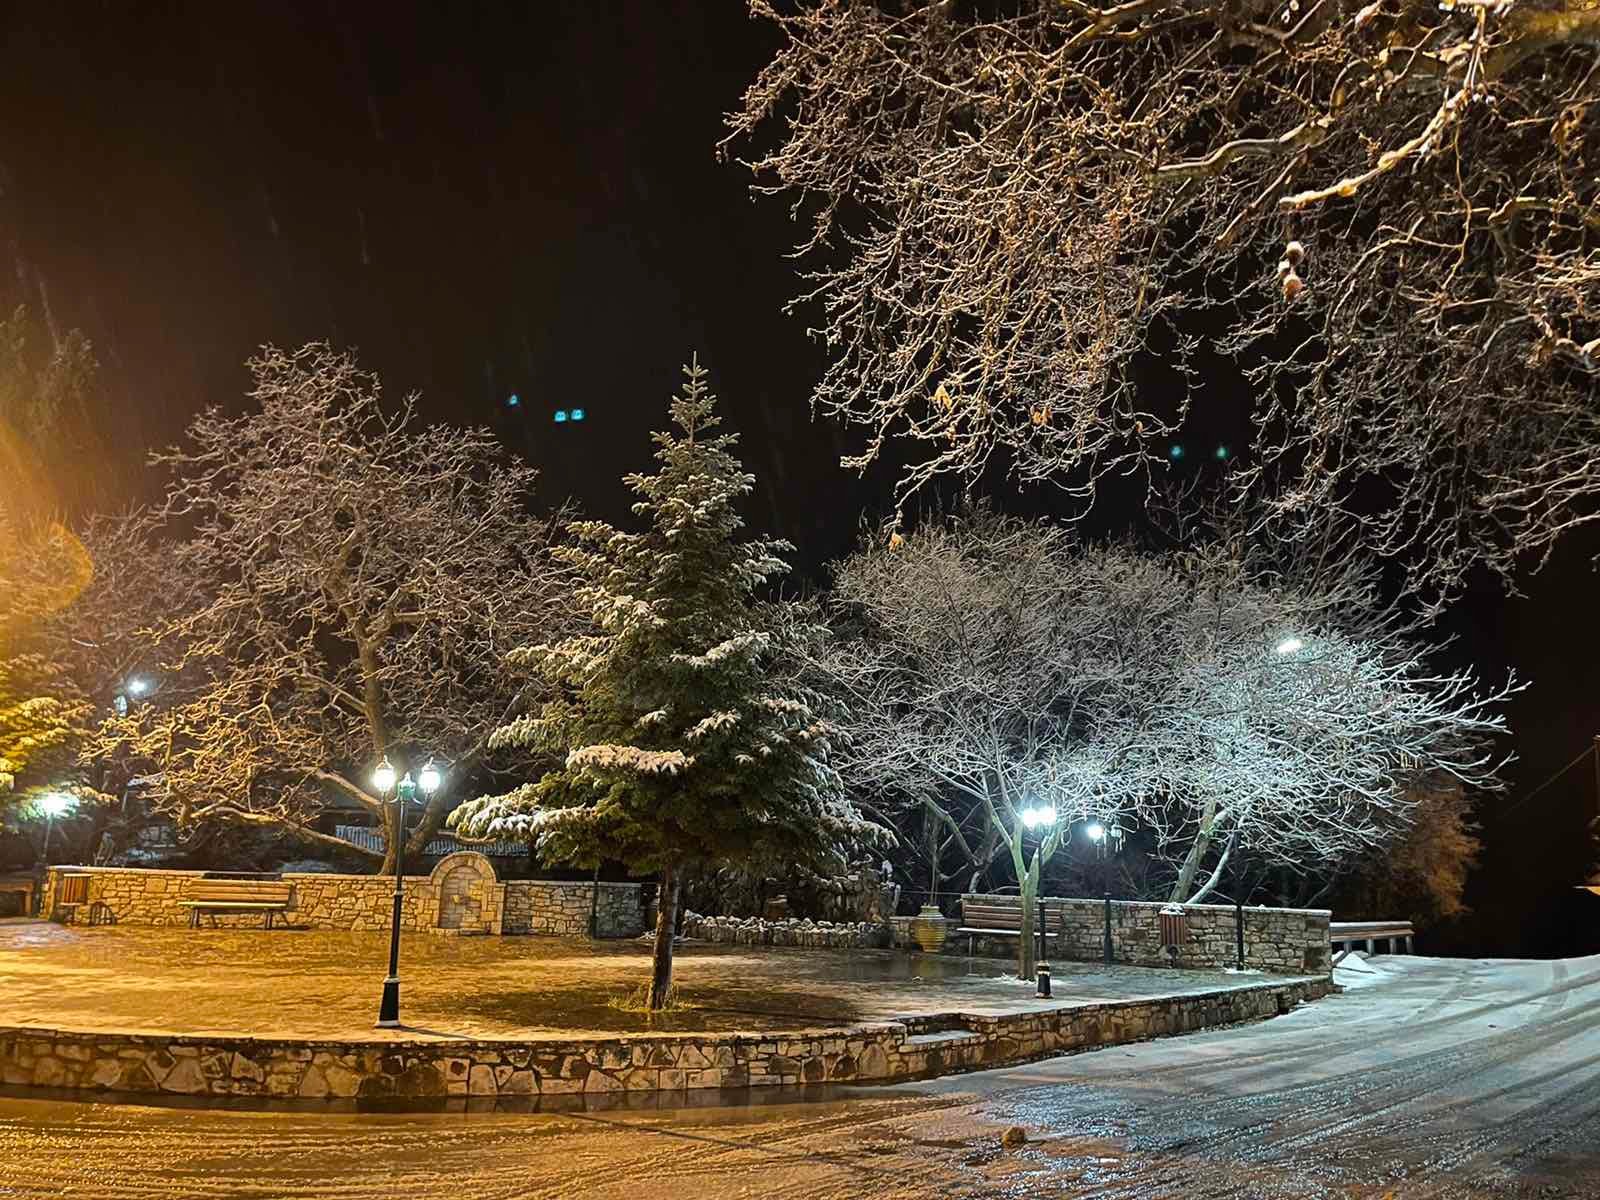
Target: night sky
[[488, 200]]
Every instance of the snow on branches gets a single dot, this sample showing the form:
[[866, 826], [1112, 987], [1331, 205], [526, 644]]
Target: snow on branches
[[1219, 701], [362, 578], [1385, 211], [682, 740]]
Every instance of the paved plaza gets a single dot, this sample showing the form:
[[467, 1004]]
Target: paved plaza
[[321, 984]]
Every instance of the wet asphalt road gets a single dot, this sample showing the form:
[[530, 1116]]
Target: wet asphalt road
[[1458, 1080]]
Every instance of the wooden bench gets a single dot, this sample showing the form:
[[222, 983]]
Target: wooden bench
[[987, 917], [23, 885], [211, 896], [1348, 933]]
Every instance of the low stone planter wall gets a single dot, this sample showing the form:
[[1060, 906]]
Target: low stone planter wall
[[877, 1053], [757, 931], [1281, 940], [462, 894]]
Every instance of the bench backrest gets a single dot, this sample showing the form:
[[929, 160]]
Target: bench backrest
[[1006, 914], [256, 891]]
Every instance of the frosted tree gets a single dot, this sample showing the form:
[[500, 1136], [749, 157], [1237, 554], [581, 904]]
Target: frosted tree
[[1224, 705], [358, 581], [684, 740], [43, 568], [990, 669], [1387, 207]]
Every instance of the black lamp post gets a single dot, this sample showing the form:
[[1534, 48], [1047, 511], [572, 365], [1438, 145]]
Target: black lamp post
[[404, 793], [1102, 837]]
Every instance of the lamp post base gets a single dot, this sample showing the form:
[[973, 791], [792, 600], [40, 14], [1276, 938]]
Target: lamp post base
[[389, 1009]]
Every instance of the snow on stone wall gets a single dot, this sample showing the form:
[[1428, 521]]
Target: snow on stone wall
[[757, 931]]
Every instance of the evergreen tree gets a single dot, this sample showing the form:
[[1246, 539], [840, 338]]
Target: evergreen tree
[[685, 740]]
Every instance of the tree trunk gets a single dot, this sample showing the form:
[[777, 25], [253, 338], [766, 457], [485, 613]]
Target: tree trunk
[[1027, 956], [666, 925], [1196, 855]]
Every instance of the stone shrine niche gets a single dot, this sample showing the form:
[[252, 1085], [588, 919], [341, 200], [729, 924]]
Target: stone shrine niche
[[470, 898]]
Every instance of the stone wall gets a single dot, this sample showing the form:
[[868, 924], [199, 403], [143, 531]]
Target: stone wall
[[1284, 940], [756, 931], [878, 1053], [461, 895], [565, 908]]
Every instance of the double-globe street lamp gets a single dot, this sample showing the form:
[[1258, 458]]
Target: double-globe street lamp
[[1104, 839], [1037, 818], [405, 792]]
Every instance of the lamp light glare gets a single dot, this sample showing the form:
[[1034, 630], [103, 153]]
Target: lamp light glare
[[53, 804], [1290, 645], [428, 779], [383, 778], [138, 686], [1096, 831]]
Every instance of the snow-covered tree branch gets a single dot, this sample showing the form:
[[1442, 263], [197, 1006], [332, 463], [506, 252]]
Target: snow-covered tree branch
[[1217, 701], [1386, 211], [363, 579], [685, 736]]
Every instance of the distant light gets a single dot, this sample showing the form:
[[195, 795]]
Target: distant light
[[137, 686], [561, 416], [1175, 451], [1290, 645], [513, 401], [577, 414], [1029, 817], [53, 804], [1223, 454], [1096, 831]]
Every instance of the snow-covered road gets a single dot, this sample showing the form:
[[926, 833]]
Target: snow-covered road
[[1428, 1078]]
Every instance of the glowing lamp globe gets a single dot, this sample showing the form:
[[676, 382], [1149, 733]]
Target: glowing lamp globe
[[1096, 831], [383, 778], [53, 804], [429, 779]]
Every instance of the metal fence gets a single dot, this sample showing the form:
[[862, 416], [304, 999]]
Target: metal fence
[[370, 838]]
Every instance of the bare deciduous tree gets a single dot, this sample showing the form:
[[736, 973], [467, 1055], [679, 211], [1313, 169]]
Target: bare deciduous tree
[[363, 580], [1202, 698], [1391, 209]]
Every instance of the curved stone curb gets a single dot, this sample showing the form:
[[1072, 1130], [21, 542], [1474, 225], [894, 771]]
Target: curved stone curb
[[884, 1052]]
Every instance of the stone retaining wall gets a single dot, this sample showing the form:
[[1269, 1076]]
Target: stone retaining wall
[[878, 1053], [1283, 940], [757, 931], [461, 895]]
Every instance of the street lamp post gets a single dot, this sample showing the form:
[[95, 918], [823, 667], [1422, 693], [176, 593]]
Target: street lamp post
[[1034, 817], [1097, 835], [404, 793], [52, 804]]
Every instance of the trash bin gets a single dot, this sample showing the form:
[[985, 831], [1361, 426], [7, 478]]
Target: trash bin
[[1174, 931]]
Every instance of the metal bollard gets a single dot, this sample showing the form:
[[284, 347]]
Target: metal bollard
[[1043, 991]]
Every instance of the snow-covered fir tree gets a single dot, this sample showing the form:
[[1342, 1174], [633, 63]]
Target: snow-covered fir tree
[[684, 741]]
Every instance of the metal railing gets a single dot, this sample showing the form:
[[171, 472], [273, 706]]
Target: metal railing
[[1348, 933], [371, 838]]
